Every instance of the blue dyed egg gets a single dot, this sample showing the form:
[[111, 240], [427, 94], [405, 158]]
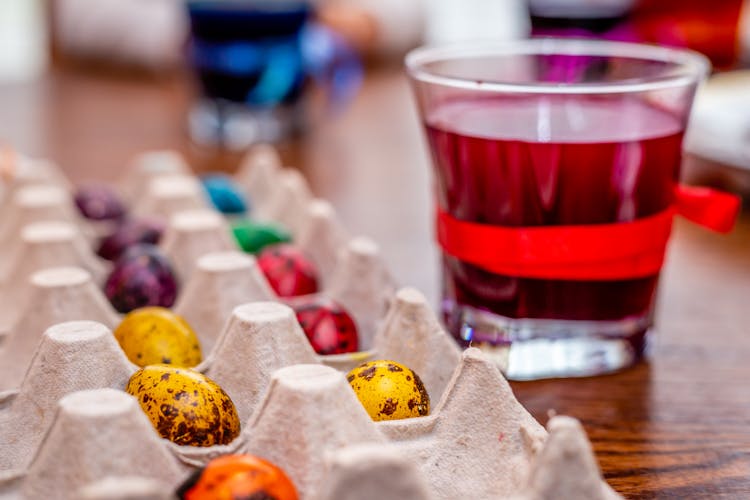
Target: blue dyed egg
[[224, 194]]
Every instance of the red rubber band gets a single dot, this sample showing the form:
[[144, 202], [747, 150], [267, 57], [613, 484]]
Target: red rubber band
[[605, 252]]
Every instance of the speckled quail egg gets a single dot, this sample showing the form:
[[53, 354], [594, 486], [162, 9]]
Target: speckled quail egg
[[185, 406], [389, 390], [152, 335]]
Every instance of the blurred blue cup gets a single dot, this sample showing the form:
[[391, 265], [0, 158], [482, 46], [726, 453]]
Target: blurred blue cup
[[254, 61]]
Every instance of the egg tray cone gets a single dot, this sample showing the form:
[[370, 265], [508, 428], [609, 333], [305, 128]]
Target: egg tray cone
[[126, 488], [31, 204], [220, 282], [258, 173], [166, 195], [372, 472], [97, 431], [70, 356], [148, 166], [322, 236], [479, 442], [43, 245], [192, 234], [31, 172], [57, 295]]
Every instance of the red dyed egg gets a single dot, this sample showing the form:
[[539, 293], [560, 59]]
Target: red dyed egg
[[289, 272], [328, 326], [238, 477]]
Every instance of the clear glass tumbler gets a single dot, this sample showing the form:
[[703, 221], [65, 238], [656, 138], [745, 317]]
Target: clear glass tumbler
[[555, 169]]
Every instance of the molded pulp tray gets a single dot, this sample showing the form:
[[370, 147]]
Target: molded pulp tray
[[67, 429]]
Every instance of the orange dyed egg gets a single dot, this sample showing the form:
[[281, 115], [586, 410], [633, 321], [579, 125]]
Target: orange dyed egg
[[237, 477]]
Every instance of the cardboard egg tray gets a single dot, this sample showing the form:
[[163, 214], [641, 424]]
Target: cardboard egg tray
[[67, 429]]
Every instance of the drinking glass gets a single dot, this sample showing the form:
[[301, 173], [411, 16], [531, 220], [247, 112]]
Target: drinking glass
[[254, 60], [555, 169]]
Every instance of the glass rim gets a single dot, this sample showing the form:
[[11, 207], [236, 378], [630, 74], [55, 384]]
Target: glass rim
[[691, 66]]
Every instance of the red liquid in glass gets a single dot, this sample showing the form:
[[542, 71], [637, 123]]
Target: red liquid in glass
[[551, 161]]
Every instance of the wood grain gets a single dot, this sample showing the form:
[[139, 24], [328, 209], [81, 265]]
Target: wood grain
[[675, 427]]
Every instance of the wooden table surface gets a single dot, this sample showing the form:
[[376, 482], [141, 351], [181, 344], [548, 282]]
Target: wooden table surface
[[675, 427]]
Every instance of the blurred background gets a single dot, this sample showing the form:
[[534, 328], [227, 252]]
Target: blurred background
[[231, 56], [90, 83]]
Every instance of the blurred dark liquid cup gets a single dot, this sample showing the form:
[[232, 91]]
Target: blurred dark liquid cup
[[253, 60]]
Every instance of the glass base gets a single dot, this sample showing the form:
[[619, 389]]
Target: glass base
[[531, 349], [235, 126]]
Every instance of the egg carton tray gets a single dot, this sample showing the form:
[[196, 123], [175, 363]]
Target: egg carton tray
[[40, 229], [67, 429]]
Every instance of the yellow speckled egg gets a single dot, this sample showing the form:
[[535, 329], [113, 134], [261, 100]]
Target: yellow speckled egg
[[389, 390], [185, 406], [152, 335]]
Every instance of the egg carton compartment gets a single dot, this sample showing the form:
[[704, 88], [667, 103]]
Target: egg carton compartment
[[325, 450], [351, 270], [56, 295], [296, 407], [478, 442], [258, 338], [42, 245], [23, 171], [221, 281]]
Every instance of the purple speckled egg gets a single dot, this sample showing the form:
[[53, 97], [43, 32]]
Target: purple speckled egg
[[129, 233], [141, 277], [99, 202]]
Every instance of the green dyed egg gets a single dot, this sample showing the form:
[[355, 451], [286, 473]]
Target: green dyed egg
[[253, 237]]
